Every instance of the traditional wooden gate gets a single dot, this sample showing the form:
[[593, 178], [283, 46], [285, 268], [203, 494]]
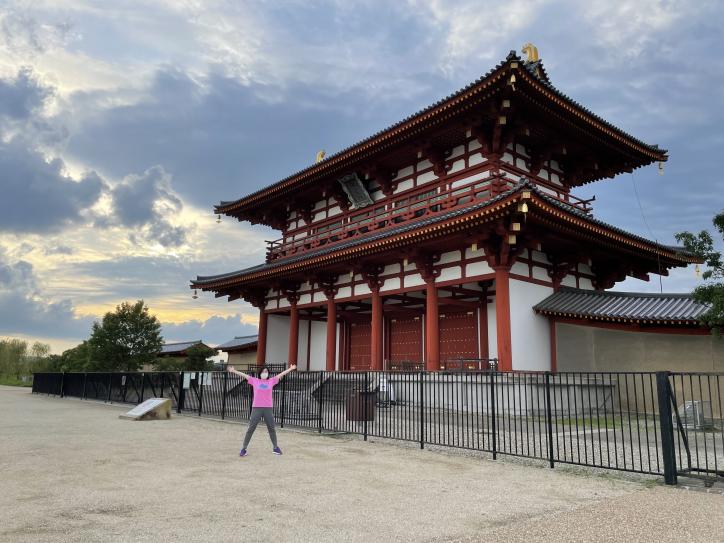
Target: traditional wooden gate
[[458, 335], [359, 346], [405, 340]]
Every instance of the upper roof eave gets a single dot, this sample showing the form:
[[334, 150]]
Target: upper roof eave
[[326, 165]]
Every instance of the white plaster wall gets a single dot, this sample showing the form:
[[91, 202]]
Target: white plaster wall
[[414, 280], [277, 339], [477, 268], [448, 274], [569, 281], [391, 283], [492, 331], [344, 292], [302, 346], [585, 283], [450, 256], [519, 269], [305, 299], [426, 178], [318, 347], [530, 337], [540, 273]]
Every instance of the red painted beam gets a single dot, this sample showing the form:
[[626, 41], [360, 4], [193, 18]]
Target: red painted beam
[[261, 341]]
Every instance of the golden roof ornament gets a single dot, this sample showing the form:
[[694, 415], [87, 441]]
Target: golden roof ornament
[[531, 51], [320, 156]]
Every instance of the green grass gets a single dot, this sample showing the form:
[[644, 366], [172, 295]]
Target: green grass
[[11, 380]]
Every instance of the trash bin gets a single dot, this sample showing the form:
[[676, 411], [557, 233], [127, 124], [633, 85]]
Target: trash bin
[[356, 402]]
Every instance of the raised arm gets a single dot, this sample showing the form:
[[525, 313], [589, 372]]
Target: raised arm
[[288, 370], [233, 370]]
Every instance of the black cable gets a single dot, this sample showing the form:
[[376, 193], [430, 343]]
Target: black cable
[[643, 216]]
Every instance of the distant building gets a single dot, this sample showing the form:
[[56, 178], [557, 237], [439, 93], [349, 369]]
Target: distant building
[[179, 350], [241, 350]]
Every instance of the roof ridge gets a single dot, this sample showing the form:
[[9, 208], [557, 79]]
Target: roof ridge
[[626, 294]]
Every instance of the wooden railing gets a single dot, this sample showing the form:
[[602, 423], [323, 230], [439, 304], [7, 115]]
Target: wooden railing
[[394, 212]]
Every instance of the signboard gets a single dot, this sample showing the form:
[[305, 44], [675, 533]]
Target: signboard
[[154, 408], [356, 191], [206, 378], [187, 380]]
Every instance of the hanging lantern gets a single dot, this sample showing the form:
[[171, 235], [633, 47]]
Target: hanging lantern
[[218, 218], [196, 295], [697, 271]]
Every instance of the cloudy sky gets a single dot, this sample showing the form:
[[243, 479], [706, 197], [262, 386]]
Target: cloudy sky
[[122, 123]]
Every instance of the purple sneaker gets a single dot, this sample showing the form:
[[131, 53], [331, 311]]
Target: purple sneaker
[[242, 452], [275, 450]]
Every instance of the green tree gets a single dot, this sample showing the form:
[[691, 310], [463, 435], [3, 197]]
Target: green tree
[[125, 339], [196, 358], [169, 363], [75, 359], [712, 292], [13, 357]]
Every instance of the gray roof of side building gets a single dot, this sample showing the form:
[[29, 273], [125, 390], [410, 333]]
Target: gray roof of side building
[[524, 183], [239, 342], [171, 348], [622, 306]]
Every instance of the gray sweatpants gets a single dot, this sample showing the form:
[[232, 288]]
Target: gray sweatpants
[[256, 415]]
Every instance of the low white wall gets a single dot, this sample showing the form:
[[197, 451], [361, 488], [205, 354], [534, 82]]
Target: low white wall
[[318, 346]]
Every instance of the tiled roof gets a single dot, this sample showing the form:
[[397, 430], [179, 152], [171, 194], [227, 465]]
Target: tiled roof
[[622, 306], [172, 348], [200, 281], [238, 342], [535, 69]]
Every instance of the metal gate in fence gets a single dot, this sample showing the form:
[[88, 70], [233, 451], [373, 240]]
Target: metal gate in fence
[[655, 423]]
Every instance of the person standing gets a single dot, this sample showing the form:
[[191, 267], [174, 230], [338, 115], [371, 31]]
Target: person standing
[[263, 404]]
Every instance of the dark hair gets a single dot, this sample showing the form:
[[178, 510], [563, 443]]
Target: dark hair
[[264, 367]]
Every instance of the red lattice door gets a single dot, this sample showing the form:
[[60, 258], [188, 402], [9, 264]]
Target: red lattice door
[[359, 346], [458, 335], [406, 340]]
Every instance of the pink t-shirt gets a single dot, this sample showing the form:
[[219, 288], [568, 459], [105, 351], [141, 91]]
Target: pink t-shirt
[[263, 391]]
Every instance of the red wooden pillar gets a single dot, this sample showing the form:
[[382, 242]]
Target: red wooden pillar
[[331, 333], [376, 332], [293, 334], [554, 346], [502, 317], [261, 340], [432, 327], [483, 328]]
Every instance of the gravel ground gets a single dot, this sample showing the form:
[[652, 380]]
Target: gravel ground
[[73, 471]]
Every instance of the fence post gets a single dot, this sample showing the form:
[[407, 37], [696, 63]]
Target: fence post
[[321, 399], [549, 418], [85, 379], [202, 383], [223, 398], [667, 427], [181, 393], [493, 415], [143, 385], [62, 384], [363, 395], [110, 384], [422, 409], [284, 396]]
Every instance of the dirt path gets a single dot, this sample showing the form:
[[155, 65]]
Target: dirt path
[[73, 471]]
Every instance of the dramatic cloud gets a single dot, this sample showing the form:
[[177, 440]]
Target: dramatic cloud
[[144, 201], [38, 196], [26, 311]]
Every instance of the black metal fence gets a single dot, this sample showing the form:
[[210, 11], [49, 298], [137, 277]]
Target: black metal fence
[[655, 423]]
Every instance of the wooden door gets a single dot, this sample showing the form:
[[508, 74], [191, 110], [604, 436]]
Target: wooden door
[[360, 335], [458, 335], [405, 340]]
